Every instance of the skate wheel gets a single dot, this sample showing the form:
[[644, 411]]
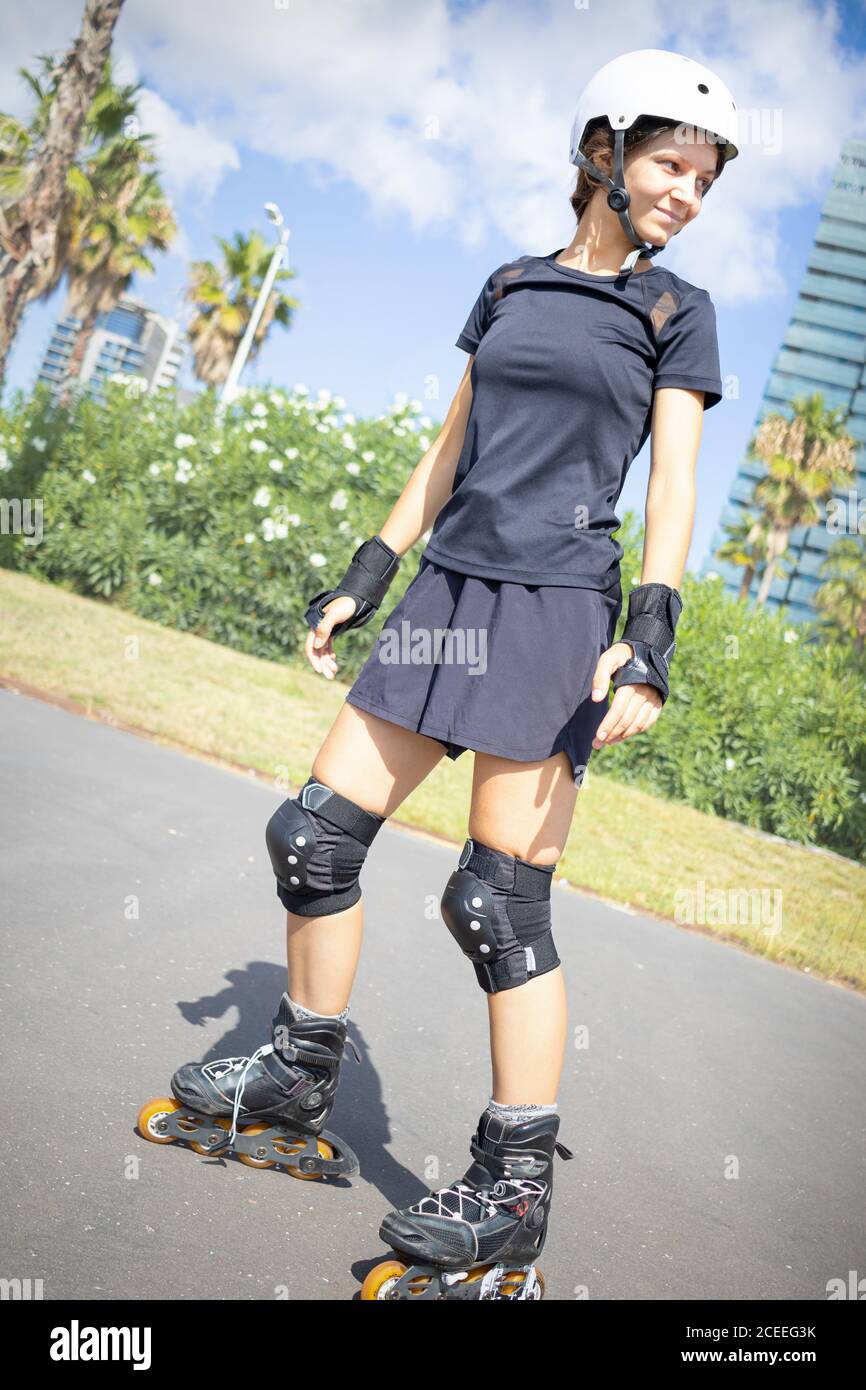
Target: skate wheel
[[513, 1278], [382, 1279], [217, 1122], [249, 1159], [325, 1151], [150, 1115]]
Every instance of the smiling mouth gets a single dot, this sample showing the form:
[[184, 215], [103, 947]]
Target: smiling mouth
[[669, 215]]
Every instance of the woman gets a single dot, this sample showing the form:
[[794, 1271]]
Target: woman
[[574, 357]]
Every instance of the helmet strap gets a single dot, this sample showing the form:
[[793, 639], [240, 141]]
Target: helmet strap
[[618, 199]]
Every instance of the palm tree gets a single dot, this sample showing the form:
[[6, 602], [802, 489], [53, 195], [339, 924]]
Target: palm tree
[[841, 600], [746, 545], [807, 458], [225, 297], [129, 217], [33, 240], [116, 208]]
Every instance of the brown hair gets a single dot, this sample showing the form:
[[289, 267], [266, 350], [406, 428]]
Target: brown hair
[[598, 149]]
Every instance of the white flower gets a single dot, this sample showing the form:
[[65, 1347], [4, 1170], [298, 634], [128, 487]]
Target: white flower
[[339, 500], [38, 444], [292, 453], [88, 476], [249, 538], [216, 447], [300, 389], [324, 396], [415, 406], [281, 530], [276, 465], [293, 518], [259, 409], [353, 468], [332, 420], [368, 455], [154, 577], [398, 430], [400, 398], [268, 529], [339, 402], [183, 441], [258, 446], [262, 497], [425, 422], [149, 417], [5, 462], [323, 429], [424, 442], [730, 764], [344, 526], [348, 417], [791, 635], [276, 398], [154, 470], [348, 441], [183, 472], [318, 560]]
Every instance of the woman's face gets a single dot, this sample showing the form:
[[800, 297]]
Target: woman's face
[[666, 180]]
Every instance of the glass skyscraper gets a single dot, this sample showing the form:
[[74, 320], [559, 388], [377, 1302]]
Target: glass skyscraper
[[824, 349]]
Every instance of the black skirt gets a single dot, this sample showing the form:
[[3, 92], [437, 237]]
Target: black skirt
[[486, 664]]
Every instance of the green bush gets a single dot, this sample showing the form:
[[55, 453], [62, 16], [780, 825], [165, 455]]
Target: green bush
[[224, 528], [227, 527]]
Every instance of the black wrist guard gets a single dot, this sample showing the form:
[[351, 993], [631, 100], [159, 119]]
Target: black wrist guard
[[373, 566], [653, 611]]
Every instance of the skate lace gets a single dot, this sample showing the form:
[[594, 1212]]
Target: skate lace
[[464, 1203], [243, 1065]]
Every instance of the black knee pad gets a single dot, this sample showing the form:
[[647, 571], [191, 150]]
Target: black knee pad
[[497, 908], [318, 842]]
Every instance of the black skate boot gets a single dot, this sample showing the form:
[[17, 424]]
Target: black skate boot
[[281, 1096], [479, 1237]]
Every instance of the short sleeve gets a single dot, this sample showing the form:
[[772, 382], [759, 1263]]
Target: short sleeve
[[688, 349], [478, 321]]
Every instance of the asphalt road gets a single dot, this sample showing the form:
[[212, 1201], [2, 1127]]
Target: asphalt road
[[702, 1060]]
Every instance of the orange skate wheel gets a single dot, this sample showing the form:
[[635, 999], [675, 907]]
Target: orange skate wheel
[[150, 1115], [381, 1278]]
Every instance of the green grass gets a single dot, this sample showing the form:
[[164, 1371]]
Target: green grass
[[625, 845]]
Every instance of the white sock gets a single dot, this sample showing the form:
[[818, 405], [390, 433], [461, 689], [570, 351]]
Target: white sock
[[301, 1012]]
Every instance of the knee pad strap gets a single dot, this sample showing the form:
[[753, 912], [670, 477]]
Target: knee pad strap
[[317, 843], [497, 908]]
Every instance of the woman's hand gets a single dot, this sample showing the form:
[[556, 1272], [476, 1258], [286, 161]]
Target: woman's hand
[[318, 645], [634, 708]]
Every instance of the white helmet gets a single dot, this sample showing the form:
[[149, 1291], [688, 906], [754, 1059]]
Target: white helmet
[[650, 82]]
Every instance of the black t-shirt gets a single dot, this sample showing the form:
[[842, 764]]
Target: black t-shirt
[[562, 382]]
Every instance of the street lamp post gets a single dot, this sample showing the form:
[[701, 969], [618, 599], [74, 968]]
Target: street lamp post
[[230, 388]]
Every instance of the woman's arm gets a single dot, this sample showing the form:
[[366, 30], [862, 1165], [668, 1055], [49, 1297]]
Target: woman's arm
[[677, 423], [432, 479]]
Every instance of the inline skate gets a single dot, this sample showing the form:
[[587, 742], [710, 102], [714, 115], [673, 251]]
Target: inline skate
[[478, 1238], [270, 1108]]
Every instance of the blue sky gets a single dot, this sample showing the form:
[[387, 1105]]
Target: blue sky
[[414, 147]]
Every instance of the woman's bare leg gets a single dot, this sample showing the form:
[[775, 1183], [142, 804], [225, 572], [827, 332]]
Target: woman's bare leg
[[376, 764], [525, 809]]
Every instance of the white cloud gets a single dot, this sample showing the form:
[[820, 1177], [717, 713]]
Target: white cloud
[[192, 157], [458, 120]]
